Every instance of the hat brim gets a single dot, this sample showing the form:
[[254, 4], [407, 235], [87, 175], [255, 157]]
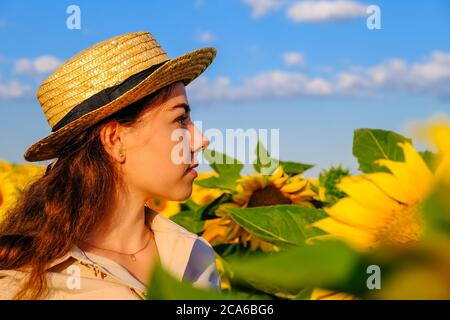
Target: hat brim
[[184, 68]]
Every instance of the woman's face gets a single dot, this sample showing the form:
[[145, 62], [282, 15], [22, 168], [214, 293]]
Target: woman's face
[[154, 163]]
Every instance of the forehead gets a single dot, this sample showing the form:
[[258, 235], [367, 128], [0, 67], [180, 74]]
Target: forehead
[[176, 98], [173, 101]]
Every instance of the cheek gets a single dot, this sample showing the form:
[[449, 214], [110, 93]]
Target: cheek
[[150, 167]]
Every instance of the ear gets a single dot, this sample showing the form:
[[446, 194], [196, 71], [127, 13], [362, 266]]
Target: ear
[[111, 136]]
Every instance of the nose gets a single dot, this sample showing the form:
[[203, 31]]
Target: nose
[[199, 141]]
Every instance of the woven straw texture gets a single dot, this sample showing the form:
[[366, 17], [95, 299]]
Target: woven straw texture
[[103, 65]]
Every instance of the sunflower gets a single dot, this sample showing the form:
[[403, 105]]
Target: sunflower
[[24, 174], [439, 135], [319, 189], [165, 207], [201, 195], [256, 191], [8, 193], [5, 166], [382, 208], [260, 190]]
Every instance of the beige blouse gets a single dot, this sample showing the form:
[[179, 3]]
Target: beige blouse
[[83, 275]]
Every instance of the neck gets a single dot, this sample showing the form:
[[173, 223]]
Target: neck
[[124, 229]]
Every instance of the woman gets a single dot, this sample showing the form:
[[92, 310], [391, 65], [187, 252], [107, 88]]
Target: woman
[[120, 117]]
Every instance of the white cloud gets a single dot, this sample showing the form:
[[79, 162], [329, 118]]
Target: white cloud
[[293, 59], [262, 7], [271, 84], [431, 76], [35, 68], [41, 65], [325, 10], [13, 89], [309, 10], [206, 36]]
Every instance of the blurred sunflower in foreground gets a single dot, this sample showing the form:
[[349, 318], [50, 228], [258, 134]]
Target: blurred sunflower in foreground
[[323, 294], [256, 191], [439, 134], [383, 209]]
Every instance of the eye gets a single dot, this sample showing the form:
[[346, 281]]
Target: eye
[[183, 120]]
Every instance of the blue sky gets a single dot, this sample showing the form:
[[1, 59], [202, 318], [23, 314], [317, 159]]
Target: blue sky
[[311, 69]]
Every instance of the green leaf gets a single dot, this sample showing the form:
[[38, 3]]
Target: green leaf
[[430, 158], [373, 144], [293, 168], [282, 225], [189, 220], [207, 211], [189, 205], [324, 265], [193, 220], [263, 160], [223, 164], [229, 170], [164, 286], [222, 183], [329, 180]]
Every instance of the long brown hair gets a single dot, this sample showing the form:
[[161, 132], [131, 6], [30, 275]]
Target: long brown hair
[[66, 204]]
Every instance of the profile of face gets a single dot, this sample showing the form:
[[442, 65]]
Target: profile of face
[[158, 150]]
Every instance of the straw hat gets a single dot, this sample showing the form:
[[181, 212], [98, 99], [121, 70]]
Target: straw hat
[[105, 78]]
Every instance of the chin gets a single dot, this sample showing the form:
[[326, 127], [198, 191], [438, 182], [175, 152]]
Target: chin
[[182, 195]]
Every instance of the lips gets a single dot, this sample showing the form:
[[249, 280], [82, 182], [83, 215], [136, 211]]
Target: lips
[[192, 166]]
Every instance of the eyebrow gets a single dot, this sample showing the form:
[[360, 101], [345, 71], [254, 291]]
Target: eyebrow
[[186, 107]]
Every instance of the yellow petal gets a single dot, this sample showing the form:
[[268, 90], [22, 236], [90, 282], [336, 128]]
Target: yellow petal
[[390, 185], [413, 175], [440, 134], [418, 171], [361, 239], [278, 173], [368, 194], [349, 212], [294, 186]]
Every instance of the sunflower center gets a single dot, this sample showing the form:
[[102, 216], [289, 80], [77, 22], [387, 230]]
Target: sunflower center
[[404, 227], [1, 198], [268, 196]]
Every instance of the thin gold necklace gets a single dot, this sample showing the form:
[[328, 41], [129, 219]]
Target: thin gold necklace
[[131, 255]]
